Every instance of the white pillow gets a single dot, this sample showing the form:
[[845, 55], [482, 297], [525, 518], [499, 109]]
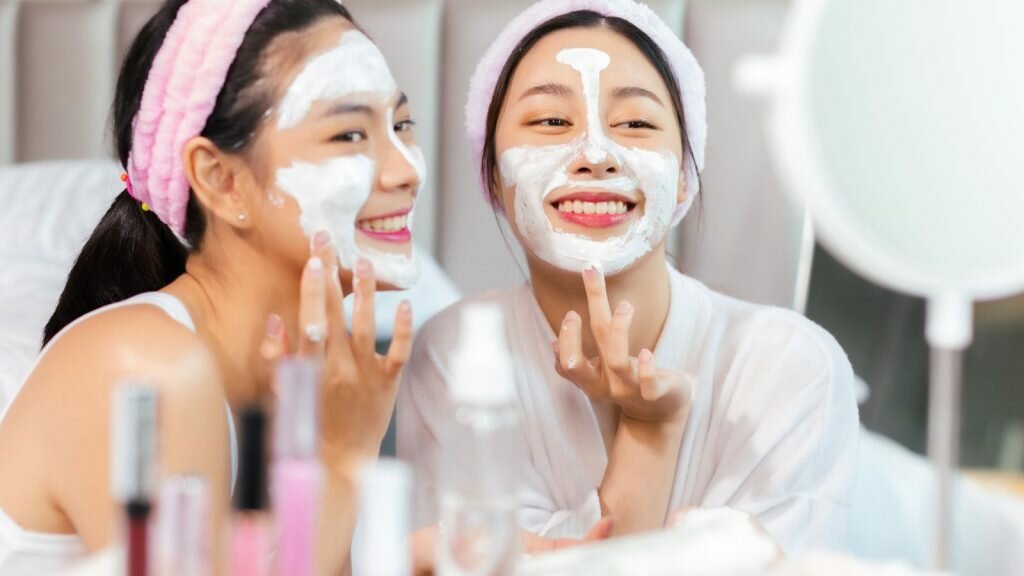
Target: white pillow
[[49, 210]]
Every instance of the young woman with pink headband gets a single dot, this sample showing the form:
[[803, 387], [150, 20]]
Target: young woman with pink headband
[[265, 142], [642, 391]]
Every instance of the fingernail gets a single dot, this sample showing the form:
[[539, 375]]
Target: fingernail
[[316, 266], [321, 239], [645, 355], [594, 269], [572, 316], [273, 325], [363, 268], [624, 308], [405, 308]]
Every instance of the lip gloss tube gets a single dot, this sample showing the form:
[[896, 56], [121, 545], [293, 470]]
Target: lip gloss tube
[[183, 527], [297, 474], [134, 468], [249, 549]]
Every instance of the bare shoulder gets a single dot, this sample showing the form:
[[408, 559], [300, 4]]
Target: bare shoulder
[[137, 342], [58, 428]]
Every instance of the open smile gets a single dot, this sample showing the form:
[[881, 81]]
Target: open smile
[[594, 209], [392, 227]]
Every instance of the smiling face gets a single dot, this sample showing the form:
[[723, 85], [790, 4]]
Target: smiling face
[[338, 154], [588, 150]]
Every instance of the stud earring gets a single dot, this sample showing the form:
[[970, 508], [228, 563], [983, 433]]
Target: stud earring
[[241, 217]]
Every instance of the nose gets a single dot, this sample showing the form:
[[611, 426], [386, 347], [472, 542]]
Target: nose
[[595, 162], [398, 172]]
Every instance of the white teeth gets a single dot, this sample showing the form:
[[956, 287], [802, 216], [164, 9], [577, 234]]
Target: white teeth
[[385, 225], [579, 207]]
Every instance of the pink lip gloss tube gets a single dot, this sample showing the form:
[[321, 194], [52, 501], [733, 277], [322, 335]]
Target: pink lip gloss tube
[[297, 474], [249, 538], [133, 463], [183, 527]]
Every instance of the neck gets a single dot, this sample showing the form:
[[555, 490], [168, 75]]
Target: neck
[[230, 292], [645, 285]]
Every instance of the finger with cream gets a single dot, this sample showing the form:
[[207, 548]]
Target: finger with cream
[[536, 172], [331, 194]]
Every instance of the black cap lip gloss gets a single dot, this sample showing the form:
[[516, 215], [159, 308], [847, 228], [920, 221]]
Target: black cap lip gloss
[[134, 467]]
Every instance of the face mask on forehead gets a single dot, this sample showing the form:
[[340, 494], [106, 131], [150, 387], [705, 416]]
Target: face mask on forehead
[[537, 172], [331, 194]]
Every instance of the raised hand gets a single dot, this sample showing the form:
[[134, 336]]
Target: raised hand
[[641, 390]]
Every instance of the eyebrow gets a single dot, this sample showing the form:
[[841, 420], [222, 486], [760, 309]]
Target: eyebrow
[[550, 88], [347, 109], [635, 92], [361, 108]]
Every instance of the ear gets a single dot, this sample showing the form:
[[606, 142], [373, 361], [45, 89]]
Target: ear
[[682, 195], [215, 178]]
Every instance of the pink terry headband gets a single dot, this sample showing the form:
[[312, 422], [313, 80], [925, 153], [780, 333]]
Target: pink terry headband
[[188, 73], [688, 74]]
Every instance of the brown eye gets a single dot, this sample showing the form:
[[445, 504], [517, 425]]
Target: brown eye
[[405, 125]]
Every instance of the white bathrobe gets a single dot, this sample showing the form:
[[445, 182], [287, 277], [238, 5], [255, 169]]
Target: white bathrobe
[[773, 430]]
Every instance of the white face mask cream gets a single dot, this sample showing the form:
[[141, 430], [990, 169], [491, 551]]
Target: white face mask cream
[[331, 194], [537, 172]]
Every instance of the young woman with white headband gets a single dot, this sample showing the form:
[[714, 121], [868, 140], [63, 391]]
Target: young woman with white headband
[[643, 392], [270, 164]]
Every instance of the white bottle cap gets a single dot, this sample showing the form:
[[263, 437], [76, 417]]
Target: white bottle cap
[[385, 504], [481, 365]]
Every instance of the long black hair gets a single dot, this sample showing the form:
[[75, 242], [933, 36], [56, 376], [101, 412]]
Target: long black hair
[[131, 251], [577, 19]]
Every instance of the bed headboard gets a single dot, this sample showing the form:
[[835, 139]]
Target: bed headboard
[[59, 60]]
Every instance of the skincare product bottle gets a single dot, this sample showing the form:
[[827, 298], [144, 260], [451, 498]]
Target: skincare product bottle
[[183, 527], [483, 454], [297, 475], [385, 496], [250, 553], [133, 459]]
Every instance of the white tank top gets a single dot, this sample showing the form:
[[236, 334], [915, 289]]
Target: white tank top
[[25, 553]]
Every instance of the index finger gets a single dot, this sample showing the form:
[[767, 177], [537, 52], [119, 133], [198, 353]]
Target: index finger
[[597, 302], [334, 308]]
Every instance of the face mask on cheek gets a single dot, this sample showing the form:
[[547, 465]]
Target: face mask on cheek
[[331, 194], [537, 172]]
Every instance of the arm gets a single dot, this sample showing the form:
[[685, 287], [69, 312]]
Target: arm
[[80, 374], [641, 470]]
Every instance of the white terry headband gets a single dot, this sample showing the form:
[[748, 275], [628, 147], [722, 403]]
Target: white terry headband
[[688, 73]]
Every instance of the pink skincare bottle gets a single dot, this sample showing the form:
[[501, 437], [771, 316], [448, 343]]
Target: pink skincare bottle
[[296, 473]]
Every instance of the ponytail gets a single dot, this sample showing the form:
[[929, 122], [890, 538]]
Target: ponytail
[[129, 252]]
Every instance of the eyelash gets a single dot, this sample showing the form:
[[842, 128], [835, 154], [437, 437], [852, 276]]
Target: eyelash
[[346, 137], [551, 123], [639, 124], [561, 123]]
